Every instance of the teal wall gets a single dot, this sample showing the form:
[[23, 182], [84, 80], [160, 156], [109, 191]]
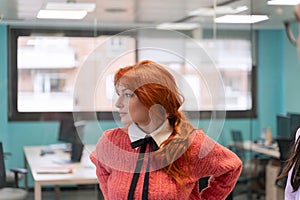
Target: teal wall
[[292, 72], [271, 76], [274, 96], [3, 84]]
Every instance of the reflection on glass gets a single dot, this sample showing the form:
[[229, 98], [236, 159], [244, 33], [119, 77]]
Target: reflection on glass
[[48, 69]]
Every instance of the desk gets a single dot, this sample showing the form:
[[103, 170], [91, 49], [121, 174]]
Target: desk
[[251, 146], [84, 172], [272, 192]]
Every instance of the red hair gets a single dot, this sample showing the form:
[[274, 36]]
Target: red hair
[[154, 85]]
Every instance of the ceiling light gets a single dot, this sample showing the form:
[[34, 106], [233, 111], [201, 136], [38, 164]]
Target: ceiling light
[[283, 2], [66, 10], [241, 19], [89, 7], [62, 14], [220, 10], [177, 26]]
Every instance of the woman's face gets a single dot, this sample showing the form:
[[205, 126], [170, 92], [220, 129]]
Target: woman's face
[[130, 107]]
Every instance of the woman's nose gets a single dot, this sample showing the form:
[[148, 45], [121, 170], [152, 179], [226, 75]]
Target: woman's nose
[[119, 103]]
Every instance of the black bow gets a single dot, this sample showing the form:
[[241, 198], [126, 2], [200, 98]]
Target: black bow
[[143, 144]]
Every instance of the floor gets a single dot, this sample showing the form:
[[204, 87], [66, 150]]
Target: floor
[[93, 194], [90, 193], [240, 193], [244, 197]]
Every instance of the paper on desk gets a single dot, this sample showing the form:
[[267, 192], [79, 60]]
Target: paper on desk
[[54, 170]]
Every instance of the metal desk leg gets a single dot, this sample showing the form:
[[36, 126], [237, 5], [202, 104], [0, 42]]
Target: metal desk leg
[[25, 175], [57, 192]]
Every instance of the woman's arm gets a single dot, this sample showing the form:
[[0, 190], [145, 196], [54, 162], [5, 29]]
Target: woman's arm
[[218, 162], [102, 174]]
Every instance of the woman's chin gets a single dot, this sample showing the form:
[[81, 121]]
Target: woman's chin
[[126, 122]]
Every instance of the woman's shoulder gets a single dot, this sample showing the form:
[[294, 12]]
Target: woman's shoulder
[[115, 136], [202, 145], [199, 140], [198, 136], [205, 147], [115, 131]]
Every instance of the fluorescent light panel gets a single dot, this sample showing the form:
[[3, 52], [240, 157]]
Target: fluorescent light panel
[[64, 10], [283, 2], [62, 14], [241, 19], [220, 10], [177, 26], [89, 7]]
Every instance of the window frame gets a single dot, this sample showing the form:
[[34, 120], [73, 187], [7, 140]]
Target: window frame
[[15, 115]]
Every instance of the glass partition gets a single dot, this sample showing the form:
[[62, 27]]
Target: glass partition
[[64, 69]]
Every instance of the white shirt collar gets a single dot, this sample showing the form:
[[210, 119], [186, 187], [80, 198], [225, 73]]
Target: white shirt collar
[[159, 135]]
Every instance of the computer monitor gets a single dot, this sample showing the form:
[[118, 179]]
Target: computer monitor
[[66, 131], [283, 126], [72, 133], [295, 122]]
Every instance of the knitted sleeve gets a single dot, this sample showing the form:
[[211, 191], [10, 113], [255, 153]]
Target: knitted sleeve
[[218, 162], [102, 171], [102, 174]]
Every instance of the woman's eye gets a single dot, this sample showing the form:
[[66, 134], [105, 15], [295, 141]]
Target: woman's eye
[[128, 95]]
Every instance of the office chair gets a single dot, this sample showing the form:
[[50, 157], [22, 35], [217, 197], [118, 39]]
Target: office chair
[[252, 178], [10, 193], [285, 146], [10, 176]]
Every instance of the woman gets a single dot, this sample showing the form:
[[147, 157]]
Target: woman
[[292, 170], [169, 161]]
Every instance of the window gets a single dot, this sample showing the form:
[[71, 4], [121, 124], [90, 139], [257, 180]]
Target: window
[[47, 69], [197, 62], [45, 66]]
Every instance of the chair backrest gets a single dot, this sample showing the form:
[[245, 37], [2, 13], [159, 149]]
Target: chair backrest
[[2, 168], [237, 136]]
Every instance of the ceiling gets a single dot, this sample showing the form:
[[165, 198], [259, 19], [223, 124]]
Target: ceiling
[[128, 13]]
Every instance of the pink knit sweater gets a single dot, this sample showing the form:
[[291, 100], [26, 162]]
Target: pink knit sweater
[[115, 161]]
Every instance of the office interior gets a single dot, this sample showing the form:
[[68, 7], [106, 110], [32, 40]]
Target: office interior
[[273, 58]]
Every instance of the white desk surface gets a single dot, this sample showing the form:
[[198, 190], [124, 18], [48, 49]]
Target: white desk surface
[[84, 172], [251, 146], [259, 148]]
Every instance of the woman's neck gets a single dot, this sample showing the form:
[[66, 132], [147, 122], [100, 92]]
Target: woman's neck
[[150, 127]]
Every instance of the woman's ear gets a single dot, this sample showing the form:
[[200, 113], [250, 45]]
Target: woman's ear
[[157, 113]]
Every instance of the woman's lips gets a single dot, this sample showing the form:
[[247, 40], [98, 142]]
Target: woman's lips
[[122, 114]]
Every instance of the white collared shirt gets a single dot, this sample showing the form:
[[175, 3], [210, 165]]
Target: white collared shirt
[[159, 135], [289, 194]]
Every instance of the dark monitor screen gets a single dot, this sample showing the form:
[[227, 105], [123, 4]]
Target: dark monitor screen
[[295, 122], [72, 133], [283, 126], [66, 130]]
